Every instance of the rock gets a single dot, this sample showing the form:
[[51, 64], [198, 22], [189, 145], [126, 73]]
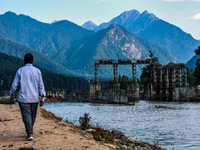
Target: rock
[[116, 140], [119, 135], [26, 148], [124, 146], [90, 130], [87, 136], [124, 138], [66, 133], [115, 132], [41, 132], [62, 123], [55, 127], [11, 145], [49, 132], [110, 145]]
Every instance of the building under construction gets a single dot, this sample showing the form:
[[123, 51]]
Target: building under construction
[[163, 80]]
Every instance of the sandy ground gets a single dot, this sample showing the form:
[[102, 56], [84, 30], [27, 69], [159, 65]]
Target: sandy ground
[[49, 134]]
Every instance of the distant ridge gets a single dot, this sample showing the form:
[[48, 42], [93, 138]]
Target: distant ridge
[[16, 49], [54, 21], [89, 25], [75, 48], [157, 31], [114, 42], [53, 40]]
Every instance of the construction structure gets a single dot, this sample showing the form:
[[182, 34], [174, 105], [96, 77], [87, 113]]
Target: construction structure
[[166, 78], [163, 81], [115, 94]]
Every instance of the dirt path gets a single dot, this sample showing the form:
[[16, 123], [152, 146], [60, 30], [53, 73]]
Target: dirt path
[[49, 134]]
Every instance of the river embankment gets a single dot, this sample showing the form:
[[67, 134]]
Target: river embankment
[[51, 132]]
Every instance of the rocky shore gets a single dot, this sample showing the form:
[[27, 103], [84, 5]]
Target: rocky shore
[[52, 133]]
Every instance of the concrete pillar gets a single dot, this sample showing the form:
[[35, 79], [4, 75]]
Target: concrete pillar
[[133, 91], [154, 74], [173, 77], [186, 81], [167, 78], [180, 74], [92, 90], [161, 82], [115, 72], [96, 73], [134, 72]]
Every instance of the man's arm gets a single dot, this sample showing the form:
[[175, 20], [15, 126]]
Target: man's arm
[[14, 86], [41, 89]]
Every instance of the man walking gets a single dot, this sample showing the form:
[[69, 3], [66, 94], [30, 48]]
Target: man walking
[[28, 80]]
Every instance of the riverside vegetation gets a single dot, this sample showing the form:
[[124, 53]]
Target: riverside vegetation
[[51, 132], [114, 139]]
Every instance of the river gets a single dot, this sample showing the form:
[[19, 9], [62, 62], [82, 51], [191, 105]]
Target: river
[[172, 125]]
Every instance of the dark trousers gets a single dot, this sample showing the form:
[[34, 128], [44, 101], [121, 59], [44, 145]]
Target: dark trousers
[[28, 111]]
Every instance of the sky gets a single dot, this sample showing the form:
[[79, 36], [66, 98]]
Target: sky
[[182, 13]]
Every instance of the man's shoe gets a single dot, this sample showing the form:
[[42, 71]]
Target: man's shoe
[[30, 137]]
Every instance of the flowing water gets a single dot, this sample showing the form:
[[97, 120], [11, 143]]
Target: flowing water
[[172, 125]]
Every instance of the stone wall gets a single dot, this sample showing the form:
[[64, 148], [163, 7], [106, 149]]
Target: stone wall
[[85, 97], [110, 96], [185, 93]]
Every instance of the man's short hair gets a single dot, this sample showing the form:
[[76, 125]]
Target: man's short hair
[[28, 58]]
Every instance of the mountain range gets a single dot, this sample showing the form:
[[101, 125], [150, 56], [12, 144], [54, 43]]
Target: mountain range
[[148, 26], [192, 62], [89, 25], [11, 47], [114, 42], [72, 48]]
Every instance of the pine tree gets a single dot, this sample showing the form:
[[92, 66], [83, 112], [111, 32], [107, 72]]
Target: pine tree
[[197, 68]]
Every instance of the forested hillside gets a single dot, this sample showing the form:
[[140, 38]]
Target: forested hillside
[[53, 81], [19, 50]]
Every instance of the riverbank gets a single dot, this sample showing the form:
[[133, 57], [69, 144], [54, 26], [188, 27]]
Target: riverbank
[[52, 133]]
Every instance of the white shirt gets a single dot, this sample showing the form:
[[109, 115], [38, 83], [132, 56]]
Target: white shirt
[[29, 81]]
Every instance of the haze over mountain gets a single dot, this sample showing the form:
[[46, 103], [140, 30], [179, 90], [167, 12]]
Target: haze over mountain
[[21, 28], [59, 38], [16, 49], [52, 40], [76, 48], [54, 21], [89, 25], [148, 26], [114, 42]]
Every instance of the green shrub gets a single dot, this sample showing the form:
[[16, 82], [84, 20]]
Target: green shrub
[[84, 121]]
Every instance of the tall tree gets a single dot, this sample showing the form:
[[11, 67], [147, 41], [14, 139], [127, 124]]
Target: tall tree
[[197, 51], [197, 68], [146, 73]]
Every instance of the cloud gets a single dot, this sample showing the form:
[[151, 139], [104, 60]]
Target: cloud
[[182, 0], [196, 17]]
